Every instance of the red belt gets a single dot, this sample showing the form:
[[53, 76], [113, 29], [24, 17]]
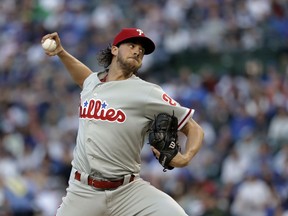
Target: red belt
[[103, 184]]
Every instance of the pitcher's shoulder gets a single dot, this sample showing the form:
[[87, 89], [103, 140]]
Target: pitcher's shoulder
[[139, 81]]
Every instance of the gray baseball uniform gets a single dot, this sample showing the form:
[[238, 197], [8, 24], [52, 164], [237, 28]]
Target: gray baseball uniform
[[113, 121]]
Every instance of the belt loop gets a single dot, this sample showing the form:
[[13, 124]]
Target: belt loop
[[84, 178], [126, 179]]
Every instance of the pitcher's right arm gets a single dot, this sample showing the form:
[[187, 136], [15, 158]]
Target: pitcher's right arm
[[78, 71]]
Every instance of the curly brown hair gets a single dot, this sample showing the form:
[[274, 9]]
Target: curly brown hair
[[104, 57]]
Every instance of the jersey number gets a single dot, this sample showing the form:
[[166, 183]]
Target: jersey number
[[169, 100]]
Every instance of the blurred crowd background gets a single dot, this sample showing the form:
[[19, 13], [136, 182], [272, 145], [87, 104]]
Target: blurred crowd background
[[227, 59]]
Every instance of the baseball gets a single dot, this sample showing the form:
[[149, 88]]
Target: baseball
[[49, 45]]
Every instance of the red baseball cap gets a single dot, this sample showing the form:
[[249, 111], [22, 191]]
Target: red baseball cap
[[131, 33]]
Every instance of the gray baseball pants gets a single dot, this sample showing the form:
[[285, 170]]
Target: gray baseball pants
[[137, 198]]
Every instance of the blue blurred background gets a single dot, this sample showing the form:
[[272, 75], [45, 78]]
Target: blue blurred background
[[227, 59]]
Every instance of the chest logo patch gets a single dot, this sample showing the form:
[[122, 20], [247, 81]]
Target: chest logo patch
[[169, 100], [97, 109]]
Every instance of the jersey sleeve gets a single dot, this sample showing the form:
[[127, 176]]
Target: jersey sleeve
[[159, 101]]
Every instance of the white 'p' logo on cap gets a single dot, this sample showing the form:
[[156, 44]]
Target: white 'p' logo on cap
[[140, 31]]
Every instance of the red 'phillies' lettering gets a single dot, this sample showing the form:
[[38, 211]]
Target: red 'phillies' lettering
[[168, 99], [93, 109]]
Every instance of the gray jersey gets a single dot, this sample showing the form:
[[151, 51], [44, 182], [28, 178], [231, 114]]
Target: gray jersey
[[114, 116]]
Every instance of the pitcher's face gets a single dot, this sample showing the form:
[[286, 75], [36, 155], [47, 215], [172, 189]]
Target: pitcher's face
[[129, 57]]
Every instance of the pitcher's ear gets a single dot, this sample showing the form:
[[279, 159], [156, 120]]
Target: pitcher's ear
[[114, 50]]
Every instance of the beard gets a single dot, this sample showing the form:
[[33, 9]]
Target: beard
[[128, 67]]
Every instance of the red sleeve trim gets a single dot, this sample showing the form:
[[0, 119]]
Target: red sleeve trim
[[185, 118]]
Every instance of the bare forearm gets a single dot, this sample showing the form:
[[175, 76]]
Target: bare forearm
[[78, 71], [194, 141]]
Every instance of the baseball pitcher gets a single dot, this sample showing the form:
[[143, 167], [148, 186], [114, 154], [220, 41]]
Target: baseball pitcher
[[117, 111]]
